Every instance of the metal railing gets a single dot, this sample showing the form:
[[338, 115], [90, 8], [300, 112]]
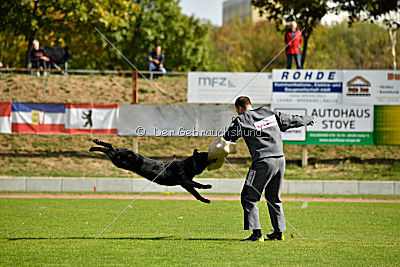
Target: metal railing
[[82, 71]]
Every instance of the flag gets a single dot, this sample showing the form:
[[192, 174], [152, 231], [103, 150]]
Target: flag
[[35, 118], [5, 117], [92, 118]]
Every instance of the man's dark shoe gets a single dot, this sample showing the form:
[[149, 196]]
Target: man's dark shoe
[[254, 238], [276, 235]]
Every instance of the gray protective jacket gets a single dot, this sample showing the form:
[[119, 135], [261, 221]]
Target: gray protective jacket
[[261, 129]]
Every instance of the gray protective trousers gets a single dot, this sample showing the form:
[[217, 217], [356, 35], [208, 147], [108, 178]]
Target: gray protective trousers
[[264, 174]]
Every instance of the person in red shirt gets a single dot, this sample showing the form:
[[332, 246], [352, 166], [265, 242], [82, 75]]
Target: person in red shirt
[[293, 40]]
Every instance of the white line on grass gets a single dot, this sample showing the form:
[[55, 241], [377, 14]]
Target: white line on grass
[[102, 231]]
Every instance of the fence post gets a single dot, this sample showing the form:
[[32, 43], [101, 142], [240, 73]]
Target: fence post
[[134, 87], [135, 139], [304, 156]]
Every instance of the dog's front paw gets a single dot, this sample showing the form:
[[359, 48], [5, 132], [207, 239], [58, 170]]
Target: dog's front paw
[[207, 186], [92, 149], [205, 200]]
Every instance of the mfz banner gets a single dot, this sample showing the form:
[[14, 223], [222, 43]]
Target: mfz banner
[[334, 124], [222, 87], [307, 87]]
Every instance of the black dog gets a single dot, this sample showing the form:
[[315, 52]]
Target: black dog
[[177, 172]]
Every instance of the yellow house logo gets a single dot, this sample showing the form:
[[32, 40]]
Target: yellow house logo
[[37, 117], [358, 86]]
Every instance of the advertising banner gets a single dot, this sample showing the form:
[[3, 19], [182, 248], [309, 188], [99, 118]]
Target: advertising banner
[[307, 87], [371, 87], [91, 118], [36, 118], [164, 120], [5, 117], [223, 87], [334, 124], [387, 125]]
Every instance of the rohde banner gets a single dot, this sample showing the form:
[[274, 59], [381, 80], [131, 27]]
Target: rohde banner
[[222, 87], [334, 124], [379, 87], [307, 86]]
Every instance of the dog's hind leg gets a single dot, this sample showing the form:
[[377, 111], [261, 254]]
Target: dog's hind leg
[[196, 194], [201, 186], [100, 149], [101, 143]]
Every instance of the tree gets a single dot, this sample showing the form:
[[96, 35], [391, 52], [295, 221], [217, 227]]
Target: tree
[[308, 13], [362, 46], [65, 22], [183, 39], [392, 23], [134, 26], [246, 46]]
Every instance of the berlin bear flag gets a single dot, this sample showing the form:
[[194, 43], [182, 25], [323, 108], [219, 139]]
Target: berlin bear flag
[[5, 117], [36, 118], [91, 118]]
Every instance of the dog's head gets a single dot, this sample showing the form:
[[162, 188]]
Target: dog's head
[[200, 161]]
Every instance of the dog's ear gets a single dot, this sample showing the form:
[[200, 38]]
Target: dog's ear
[[196, 151]]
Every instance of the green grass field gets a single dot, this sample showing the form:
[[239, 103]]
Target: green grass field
[[169, 232]]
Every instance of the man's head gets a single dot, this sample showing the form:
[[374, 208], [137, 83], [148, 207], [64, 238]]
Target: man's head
[[242, 104], [293, 25], [158, 49], [36, 44]]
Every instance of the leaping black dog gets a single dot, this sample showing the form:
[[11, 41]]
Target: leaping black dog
[[177, 172]]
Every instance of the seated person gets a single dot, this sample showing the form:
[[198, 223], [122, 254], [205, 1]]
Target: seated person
[[155, 61], [38, 57]]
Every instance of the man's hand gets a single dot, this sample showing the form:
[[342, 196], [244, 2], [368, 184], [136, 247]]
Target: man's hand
[[45, 58]]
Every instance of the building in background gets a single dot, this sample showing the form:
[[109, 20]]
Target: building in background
[[239, 10]]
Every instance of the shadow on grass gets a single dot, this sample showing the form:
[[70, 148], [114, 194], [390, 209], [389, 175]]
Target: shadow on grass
[[123, 238], [242, 160]]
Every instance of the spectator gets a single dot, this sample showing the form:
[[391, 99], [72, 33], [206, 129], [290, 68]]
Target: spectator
[[155, 61], [38, 57], [293, 40]]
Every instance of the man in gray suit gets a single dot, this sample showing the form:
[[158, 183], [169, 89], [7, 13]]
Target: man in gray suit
[[261, 129]]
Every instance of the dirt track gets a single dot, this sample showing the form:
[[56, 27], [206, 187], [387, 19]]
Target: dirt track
[[187, 197]]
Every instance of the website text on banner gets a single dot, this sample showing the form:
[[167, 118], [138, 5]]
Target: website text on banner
[[371, 87], [334, 125], [221, 87], [307, 86]]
